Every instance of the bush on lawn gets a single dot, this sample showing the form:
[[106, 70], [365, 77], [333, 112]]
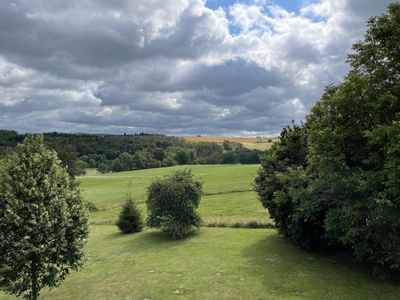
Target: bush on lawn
[[172, 202]]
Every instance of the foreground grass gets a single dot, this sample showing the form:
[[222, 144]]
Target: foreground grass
[[228, 194], [215, 263]]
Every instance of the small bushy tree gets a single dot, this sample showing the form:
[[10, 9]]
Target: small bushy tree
[[172, 202], [130, 219], [43, 221]]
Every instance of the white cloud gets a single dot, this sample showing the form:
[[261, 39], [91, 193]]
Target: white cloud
[[170, 66]]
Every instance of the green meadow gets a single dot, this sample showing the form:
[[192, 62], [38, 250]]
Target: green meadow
[[212, 263], [228, 195]]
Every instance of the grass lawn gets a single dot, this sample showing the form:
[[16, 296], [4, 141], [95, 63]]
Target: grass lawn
[[228, 196], [215, 263]]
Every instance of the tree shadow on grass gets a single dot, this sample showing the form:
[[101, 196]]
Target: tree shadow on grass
[[160, 237], [291, 272], [150, 239]]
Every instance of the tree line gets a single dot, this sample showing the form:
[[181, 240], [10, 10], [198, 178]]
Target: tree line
[[115, 153]]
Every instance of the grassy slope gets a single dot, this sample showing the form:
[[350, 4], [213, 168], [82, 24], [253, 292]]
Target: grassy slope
[[216, 263], [228, 195]]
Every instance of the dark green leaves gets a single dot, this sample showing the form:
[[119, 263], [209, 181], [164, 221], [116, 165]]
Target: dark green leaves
[[345, 191], [43, 221], [172, 202]]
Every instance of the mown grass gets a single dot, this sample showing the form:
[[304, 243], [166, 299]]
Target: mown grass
[[228, 196], [108, 190], [214, 263]]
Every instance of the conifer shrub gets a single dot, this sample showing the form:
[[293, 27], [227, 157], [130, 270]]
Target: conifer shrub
[[130, 219]]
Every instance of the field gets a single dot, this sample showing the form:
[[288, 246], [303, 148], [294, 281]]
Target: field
[[213, 263], [228, 196], [250, 142]]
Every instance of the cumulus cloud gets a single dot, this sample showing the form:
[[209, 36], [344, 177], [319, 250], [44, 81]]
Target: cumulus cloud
[[171, 66]]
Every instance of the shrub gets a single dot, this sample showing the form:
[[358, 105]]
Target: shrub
[[279, 184], [90, 206], [103, 168], [130, 219], [172, 202]]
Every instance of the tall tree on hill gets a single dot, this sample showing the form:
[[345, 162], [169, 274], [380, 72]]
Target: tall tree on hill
[[43, 221]]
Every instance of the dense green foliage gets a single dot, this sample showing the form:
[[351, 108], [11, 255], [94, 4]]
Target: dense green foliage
[[172, 202], [43, 221], [130, 219], [348, 194], [132, 152], [278, 181]]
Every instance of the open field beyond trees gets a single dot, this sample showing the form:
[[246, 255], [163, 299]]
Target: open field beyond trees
[[228, 195], [248, 142], [214, 263]]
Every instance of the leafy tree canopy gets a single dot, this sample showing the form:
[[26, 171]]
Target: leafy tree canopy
[[172, 202], [43, 221], [346, 191]]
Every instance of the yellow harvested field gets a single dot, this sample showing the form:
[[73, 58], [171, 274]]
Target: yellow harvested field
[[248, 142]]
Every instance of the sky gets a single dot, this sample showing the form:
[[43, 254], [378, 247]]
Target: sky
[[176, 67]]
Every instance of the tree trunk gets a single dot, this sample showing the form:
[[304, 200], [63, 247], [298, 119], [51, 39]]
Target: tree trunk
[[34, 281]]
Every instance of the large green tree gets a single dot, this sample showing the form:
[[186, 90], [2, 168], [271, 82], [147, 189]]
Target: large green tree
[[355, 151], [43, 221], [347, 191], [279, 184], [172, 202]]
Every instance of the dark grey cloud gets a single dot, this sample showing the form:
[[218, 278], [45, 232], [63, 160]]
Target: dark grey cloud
[[233, 77], [170, 66]]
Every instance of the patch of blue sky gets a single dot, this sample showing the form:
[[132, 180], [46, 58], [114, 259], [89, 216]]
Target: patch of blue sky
[[225, 4], [234, 29], [289, 5], [292, 6]]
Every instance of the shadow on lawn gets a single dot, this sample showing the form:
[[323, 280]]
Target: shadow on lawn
[[321, 275], [158, 237], [150, 239]]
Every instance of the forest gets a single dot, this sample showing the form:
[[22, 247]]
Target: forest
[[115, 153]]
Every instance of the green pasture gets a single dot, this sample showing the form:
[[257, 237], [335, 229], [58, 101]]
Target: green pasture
[[214, 263], [228, 196]]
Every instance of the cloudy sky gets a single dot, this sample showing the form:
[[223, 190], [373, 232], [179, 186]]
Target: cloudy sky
[[171, 66]]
